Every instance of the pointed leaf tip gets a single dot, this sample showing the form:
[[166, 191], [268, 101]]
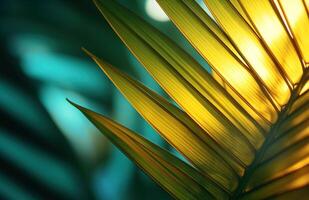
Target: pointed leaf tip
[[91, 55], [102, 64], [68, 100], [183, 183], [72, 103], [80, 108]]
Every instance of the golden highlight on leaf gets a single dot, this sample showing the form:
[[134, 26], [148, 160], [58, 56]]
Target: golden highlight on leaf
[[251, 48], [178, 129], [307, 5], [298, 21], [269, 26], [185, 81], [244, 127], [213, 45], [305, 88]]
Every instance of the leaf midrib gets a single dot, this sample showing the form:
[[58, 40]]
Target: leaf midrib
[[269, 139]]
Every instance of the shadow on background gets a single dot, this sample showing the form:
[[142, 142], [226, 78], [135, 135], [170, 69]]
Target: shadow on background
[[48, 150]]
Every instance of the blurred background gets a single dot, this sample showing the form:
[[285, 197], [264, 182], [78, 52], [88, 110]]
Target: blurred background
[[48, 150]]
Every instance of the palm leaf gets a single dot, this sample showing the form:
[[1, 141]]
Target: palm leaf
[[243, 130]]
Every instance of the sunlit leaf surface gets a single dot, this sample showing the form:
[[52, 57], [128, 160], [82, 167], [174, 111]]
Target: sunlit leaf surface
[[167, 170], [298, 21], [243, 128], [174, 125], [276, 37], [178, 81], [213, 45]]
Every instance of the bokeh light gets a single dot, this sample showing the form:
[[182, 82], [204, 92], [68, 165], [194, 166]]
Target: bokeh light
[[155, 12]]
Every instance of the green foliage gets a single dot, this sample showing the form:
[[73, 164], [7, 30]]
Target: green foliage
[[243, 128]]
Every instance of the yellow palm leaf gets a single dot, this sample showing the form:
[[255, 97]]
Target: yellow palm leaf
[[243, 129]]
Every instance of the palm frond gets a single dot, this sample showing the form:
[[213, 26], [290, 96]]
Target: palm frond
[[243, 129]]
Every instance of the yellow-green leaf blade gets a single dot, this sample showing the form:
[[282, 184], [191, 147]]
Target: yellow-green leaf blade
[[213, 45], [154, 50], [307, 5], [297, 193], [178, 132], [251, 48], [178, 178], [305, 88], [272, 31], [287, 139], [260, 119], [300, 102], [295, 118], [241, 11], [290, 182], [297, 18], [293, 158]]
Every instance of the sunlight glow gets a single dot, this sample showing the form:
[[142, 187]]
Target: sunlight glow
[[155, 12], [297, 12], [271, 29], [255, 56], [296, 15], [283, 17]]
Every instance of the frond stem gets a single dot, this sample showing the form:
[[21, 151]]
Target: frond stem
[[260, 153]]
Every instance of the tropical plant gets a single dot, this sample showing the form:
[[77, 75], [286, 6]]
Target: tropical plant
[[243, 128]]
